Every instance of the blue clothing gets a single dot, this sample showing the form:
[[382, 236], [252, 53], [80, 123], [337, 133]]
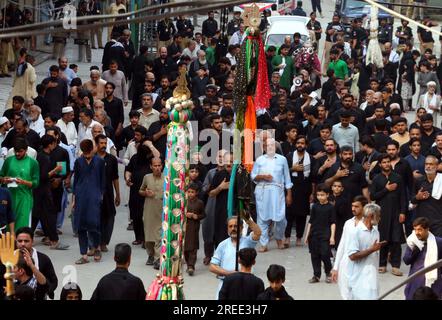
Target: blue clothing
[[71, 153], [225, 254], [270, 196], [6, 213], [416, 259], [278, 230], [363, 273], [89, 186], [69, 73], [416, 164]]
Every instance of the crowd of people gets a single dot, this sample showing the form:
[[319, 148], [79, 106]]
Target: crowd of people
[[336, 147]]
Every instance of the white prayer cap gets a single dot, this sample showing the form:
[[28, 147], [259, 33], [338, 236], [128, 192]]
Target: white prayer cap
[[3, 120], [67, 110]]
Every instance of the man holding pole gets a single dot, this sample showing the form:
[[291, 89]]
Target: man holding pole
[[223, 261]]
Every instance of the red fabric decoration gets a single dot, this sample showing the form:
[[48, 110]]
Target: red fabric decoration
[[262, 94]]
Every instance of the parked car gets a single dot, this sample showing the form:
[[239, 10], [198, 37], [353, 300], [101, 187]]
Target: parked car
[[282, 26], [351, 9]]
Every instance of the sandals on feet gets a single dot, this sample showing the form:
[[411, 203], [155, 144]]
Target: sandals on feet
[[46, 241], [82, 261], [97, 256]]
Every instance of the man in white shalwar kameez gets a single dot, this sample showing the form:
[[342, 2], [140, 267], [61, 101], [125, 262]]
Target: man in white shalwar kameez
[[339, 271], [272, 177], [363, 249]]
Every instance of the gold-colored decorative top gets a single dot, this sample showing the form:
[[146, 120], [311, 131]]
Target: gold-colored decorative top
[[9, 258], [251, 16], [181, 88]]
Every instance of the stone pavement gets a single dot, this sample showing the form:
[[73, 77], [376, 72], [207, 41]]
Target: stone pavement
[[203, 284]]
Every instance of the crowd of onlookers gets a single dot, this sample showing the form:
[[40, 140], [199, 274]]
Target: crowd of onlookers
[[335, 134]]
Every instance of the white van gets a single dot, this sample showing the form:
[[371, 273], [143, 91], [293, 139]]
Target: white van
[[282, 26]]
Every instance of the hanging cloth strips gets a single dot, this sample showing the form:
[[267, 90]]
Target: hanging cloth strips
[[262, 94]]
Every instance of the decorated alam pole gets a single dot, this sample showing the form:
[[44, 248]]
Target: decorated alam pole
[[168, 284], [251, 97]]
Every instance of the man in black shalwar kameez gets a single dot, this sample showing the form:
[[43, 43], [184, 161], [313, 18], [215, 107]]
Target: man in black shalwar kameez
[[108, 210], [120, 284], [388, 191]]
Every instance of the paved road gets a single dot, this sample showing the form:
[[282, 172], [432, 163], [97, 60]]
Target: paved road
[[203, 284]]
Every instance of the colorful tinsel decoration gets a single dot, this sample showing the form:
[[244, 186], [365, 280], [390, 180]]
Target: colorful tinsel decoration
[[251, 95], [168, 284]]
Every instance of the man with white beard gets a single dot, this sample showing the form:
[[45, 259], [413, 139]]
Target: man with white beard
[[195, 65], [36, 121], [339, 271], [427, 196], [363, 253], [272, 176]]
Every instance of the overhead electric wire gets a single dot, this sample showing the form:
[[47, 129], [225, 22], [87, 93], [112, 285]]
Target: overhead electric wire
[[409, 5], [398, 15], [59, 22]]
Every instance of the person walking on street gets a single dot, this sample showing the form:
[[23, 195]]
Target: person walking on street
[[363, 253], [340, 272], [89, 186]]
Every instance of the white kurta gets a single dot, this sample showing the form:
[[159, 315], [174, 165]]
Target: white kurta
[[69, 131], [342, 259], [85, 132], [38, 126], [24, 86], [363, 273], [270, 196]]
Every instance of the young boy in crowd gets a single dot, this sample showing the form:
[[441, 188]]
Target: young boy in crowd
[[321, 234], [291, 132], [276, 290], [195, 213], [194, 177], [342, 208]]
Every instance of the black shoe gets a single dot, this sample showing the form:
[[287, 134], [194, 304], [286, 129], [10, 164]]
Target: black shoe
[[7, 75], [314, 280], [2, 76], [156, 264], [150, 261]]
